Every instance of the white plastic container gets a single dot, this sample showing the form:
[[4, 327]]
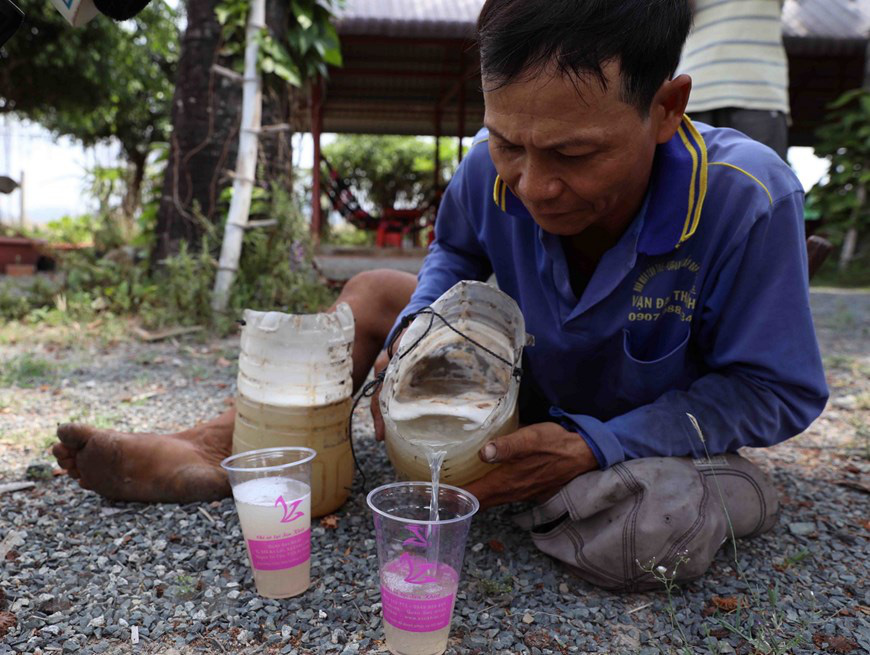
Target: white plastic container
[[448, 394], [294, 389]]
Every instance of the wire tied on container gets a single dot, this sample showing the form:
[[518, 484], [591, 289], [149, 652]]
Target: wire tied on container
[[370, 388]]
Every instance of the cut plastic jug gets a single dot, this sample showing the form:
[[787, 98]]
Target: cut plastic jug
[[446, 393], [294, 389]]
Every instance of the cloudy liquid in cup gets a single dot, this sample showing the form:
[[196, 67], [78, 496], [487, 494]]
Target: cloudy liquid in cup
[[275, 514], [417, 600]]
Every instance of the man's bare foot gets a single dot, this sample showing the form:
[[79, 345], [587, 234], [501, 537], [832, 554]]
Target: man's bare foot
[[149, 468]]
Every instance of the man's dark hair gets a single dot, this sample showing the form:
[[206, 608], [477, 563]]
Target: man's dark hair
[[521, 37]]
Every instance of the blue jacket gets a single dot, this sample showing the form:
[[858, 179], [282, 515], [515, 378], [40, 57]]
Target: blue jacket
[[701, 308]]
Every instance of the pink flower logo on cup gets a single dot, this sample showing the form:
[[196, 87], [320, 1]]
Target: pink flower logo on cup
[[289, 515], [418, 569], [418, 539]]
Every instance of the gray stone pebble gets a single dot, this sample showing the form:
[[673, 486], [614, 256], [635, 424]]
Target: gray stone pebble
[[88, 570]]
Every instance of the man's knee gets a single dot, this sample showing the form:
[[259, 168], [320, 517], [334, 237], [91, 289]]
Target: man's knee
[[381, 286], [376, 298]]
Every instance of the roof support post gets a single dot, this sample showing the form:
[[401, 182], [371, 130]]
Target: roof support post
[[867, 67], [461, 118], [316, 129], [437, 173]]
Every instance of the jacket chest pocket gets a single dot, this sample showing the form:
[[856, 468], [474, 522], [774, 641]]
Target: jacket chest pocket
[[632, 380]]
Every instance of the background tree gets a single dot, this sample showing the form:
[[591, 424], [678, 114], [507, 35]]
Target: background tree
[[391, 171], [841, 198], [298, 44], [95, 82]]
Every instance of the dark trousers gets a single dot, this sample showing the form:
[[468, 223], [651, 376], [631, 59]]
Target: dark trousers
[[767, 127]]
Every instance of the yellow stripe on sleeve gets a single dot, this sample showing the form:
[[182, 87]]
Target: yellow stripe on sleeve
[[747, 173]]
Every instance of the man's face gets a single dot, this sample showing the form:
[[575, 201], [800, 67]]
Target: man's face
[[573, 160]]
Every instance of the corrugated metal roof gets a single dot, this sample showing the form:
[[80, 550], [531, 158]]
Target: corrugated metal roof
[[826, 19], [403, 69], [440, 19], [814, 19]]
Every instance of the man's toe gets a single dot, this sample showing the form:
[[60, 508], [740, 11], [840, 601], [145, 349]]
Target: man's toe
[[74, 435]]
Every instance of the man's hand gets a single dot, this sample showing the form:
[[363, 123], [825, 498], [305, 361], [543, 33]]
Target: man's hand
[[536, 461], [380, 364]]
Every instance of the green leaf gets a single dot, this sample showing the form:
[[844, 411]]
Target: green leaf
[[333, 57], [222, 13], [846, 98], [289, 74]]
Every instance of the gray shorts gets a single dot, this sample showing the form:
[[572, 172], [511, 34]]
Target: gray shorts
[[767, 127], [614, 527]]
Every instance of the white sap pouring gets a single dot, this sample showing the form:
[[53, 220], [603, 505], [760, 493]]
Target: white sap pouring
[[448, 394]]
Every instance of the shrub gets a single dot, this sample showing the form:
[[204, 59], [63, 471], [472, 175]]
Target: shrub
[[275, 273]]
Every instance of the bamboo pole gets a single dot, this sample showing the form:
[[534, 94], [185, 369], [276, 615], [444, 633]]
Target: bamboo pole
[[246, 161]]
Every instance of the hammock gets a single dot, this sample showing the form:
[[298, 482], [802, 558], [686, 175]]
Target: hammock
[[344, 201], [390, 227]]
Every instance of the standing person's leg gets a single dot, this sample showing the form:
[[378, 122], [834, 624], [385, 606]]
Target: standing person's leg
[[613, 527], [185, 466], [708, 117], [767, 127]]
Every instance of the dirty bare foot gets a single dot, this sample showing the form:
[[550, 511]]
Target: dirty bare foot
[[149, 468]]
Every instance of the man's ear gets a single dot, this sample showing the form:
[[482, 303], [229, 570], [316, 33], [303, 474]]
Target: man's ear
[[669, 105]]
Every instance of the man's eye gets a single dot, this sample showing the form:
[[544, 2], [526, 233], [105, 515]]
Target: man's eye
[[574, 155], [509, 147]]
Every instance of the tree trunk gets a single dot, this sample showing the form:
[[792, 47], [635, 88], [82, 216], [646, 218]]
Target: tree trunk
[[206, 110], [276, 150], [133, 194]]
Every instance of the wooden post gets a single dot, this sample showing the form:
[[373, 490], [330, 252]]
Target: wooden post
[[437, 179], [246, 161], [316, 128], [461, 102]]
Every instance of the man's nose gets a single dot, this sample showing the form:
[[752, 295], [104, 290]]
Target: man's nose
[[538, 183]]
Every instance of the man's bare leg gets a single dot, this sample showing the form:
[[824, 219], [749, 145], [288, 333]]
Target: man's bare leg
[[185, 466]]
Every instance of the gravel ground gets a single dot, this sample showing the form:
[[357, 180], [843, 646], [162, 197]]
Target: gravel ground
[[84, 575]]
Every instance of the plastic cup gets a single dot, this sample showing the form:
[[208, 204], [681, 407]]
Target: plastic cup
[[272, 490], [419, 562]]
